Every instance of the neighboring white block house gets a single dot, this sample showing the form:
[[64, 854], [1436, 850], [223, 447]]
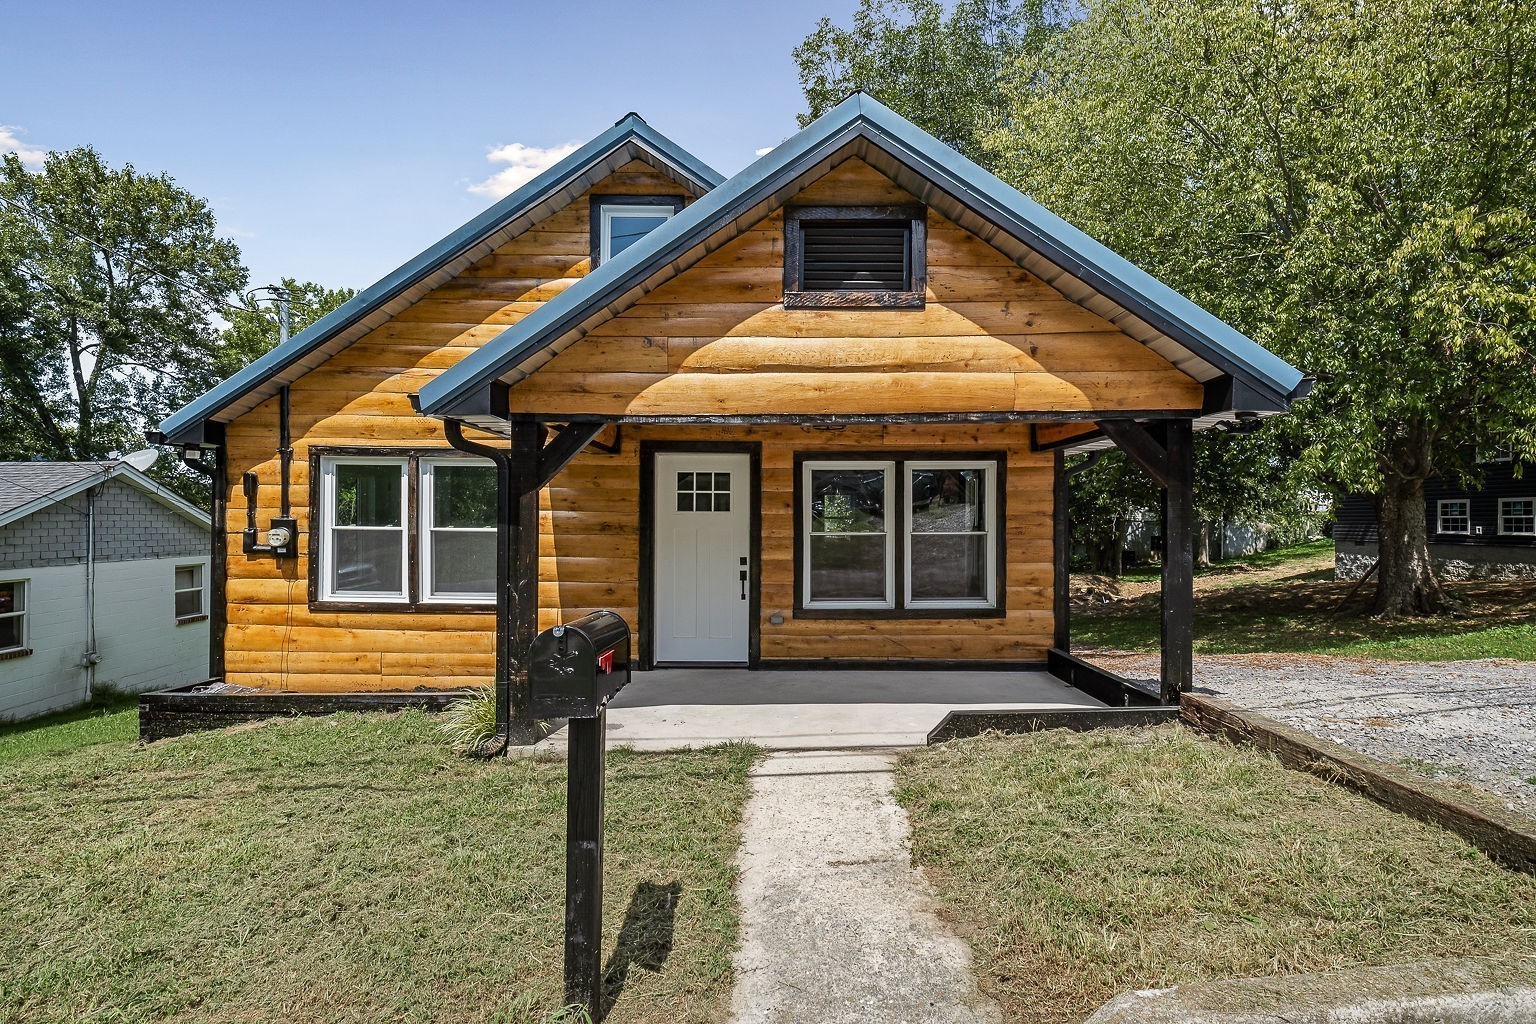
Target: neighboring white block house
[[103, 583]]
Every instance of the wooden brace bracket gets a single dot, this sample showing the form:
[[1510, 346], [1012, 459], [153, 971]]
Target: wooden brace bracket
[[1137, 441]]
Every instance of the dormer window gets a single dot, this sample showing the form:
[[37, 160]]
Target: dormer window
[[837, 257], [618, 222]]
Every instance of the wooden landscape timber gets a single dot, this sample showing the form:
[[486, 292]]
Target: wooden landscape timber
[[1507, 838]]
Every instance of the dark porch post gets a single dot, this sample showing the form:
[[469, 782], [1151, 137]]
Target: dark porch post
[[1061, 537], [517, 577], [1178, 596]]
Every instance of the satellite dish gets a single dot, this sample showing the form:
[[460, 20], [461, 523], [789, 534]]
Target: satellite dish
[[141, 460]]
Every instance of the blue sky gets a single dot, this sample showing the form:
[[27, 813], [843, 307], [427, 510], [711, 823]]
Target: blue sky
[[336, 140]]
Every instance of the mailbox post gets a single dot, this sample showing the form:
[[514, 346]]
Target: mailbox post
[[574, 670]]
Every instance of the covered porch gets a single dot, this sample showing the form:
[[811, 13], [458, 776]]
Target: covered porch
[[814, 709]]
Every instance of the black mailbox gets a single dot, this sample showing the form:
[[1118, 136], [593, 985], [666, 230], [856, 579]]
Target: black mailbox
[[574, 669]]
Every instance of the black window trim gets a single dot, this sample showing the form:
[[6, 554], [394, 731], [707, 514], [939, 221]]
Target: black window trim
[[999, 459], [416, 602], [915, 297], [595, 215]]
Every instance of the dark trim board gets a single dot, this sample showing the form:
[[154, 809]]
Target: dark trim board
[[175, 712], [1507, 838], [907, 665], [646, 627], [1099, 683], [958, 725]]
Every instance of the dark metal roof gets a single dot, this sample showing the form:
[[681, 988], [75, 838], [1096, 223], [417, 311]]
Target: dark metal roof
[[1084, 270], [630, 138]]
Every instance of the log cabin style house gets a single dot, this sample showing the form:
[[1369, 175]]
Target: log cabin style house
[[814, 415]]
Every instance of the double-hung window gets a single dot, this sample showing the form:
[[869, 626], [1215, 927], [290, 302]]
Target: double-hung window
[[916, 536], [1454, 516], [416, 530], [618, 222], [189, 593], [458, 530], [13, 617], [1517, 516]]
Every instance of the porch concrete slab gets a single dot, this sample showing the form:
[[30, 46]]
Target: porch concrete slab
[[812, 709]]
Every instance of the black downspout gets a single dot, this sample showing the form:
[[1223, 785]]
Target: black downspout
[[284, 449]]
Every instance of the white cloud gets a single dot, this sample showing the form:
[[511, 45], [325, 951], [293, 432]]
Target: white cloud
[[523, 164], [765, 150], [31, 156]]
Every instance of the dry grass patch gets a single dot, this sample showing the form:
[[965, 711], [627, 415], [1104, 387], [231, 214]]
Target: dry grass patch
[[351, 868], [1081, 865]]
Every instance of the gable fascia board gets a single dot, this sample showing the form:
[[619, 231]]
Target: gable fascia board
[[185, 425], [170, 499], [857, 117]]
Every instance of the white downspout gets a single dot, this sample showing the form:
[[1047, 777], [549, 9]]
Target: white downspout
[[91, 658]]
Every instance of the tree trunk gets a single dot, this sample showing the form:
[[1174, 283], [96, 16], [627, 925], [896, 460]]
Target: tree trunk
[[1406, 581], [1117, 565]]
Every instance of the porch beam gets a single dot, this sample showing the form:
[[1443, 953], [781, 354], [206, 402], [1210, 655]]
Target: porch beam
[[1137, 442], [1178, 591]]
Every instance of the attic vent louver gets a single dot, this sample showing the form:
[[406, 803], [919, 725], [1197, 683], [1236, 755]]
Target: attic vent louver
[[838, 257], [850, 255]]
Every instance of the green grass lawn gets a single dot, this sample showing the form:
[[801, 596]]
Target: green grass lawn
[[1082, 865], [112, 717], [349, 868], [1286, 601]]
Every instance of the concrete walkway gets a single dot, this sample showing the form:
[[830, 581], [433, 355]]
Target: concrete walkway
[[670, 709], [837, 925]]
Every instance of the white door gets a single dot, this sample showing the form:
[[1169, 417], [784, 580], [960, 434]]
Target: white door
[[703, 540]]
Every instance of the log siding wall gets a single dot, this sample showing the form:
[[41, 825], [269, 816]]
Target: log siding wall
[[992, 337]]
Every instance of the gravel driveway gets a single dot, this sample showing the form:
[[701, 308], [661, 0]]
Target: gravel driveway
[[1473, 721]]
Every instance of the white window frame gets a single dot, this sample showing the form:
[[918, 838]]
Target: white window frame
[[1466, 503], [199, 579], [988, 469], [426, 528], [328, 465], [888, 467], [608, 211], [24, 615], [1515, 533]]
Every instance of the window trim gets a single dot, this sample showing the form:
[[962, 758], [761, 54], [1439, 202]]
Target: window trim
[[888, 467], [990, 511], [795, 297], [1516, 533], [200, 576], [22, 649], [901, 460], [427, 482], [351, 603], [1440, 516], [598, 222]]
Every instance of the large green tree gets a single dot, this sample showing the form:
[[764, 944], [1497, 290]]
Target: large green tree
[[943, 65], [1350, 183], [109, 284]]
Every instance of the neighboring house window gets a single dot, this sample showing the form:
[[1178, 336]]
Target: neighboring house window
[[903, 536], [13, 617], [1517, 516], [840, 257], [1455, 516], [458, 528], [416, 529], [189, 593], [618, 222], [364, 551]]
